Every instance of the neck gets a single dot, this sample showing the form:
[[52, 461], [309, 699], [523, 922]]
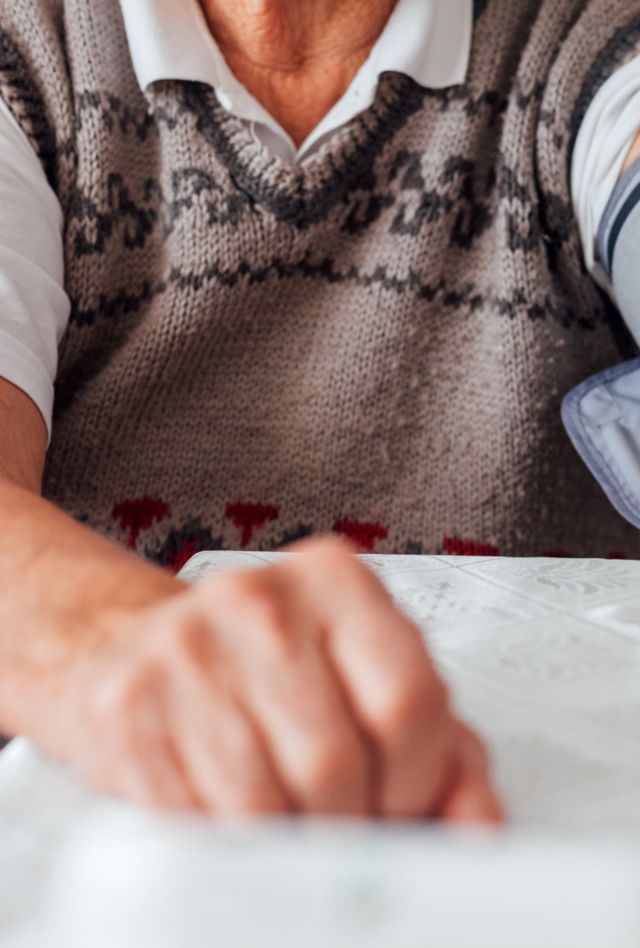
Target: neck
[[297, 57]]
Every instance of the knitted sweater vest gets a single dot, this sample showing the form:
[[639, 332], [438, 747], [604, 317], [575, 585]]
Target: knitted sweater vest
[[374, 343]]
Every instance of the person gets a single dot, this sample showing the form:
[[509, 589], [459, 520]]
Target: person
[[295, 269]]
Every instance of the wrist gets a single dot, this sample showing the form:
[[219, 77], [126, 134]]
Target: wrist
[[37, 687]]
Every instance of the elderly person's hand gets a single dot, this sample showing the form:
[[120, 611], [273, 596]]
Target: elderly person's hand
[[295, 688]]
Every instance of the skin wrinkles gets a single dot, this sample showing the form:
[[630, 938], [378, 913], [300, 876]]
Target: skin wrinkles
[[297, 58]]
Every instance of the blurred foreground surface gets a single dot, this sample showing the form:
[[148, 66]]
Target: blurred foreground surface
[[543, 656]]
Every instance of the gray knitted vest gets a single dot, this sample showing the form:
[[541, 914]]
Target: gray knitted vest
[[375, 343]]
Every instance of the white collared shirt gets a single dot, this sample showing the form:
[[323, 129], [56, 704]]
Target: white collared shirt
[[428, 40]]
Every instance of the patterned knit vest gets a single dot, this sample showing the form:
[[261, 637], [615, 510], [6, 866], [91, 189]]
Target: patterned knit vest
[[375, 342]]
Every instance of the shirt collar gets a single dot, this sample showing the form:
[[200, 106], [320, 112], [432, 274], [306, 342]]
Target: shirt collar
[[427, 40]]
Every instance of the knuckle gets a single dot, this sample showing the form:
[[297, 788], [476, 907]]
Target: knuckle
[[330, 552], [259, 600], [184, 634], [333, 767], [254, 590], [337, 547], [359, 576], [175, 634], [224, 587], [234, 587], [267, 615], [277, 637], [328, 544], [266, 608], [412, 707], [336, 557]]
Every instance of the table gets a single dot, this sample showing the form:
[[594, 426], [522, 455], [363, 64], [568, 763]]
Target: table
[[542, 655]]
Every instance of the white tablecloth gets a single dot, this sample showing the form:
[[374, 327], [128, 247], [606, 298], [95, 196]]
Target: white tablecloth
[[542, 655]]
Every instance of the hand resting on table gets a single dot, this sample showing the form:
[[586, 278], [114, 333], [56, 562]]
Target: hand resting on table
[[297, 688]]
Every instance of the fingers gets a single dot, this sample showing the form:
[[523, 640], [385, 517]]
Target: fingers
[[172, 738], [133, 757], [394, 692], [221, 749], [288, 687], [151, 774], [297, 687], [356, 718], [470, 798]]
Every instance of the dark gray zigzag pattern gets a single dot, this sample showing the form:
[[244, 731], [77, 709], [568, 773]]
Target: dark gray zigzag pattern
[[19, 87], [194, 533], [115, 114], [465, 193], [493, 102], [136, 220], [301, 209], [139, 218], [202, 538], [127, 119], [136, 120], [410, 99], [125, 303], [140, 221], [466, 298]]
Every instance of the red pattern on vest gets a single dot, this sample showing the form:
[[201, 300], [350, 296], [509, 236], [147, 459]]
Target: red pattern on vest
[[135, 515], [249, 517], [364, 535]]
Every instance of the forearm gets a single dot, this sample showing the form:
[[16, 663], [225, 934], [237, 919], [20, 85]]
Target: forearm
[[62, 590]]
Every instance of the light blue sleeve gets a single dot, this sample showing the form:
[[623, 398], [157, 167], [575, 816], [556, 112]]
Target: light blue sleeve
[[602, 415]]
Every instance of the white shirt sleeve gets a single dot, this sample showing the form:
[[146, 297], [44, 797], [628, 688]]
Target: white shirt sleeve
[[34, 308], [606, 135]]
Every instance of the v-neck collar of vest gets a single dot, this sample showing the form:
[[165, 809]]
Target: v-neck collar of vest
[[299, 194]]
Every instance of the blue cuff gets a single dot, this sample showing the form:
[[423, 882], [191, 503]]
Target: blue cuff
[[602, 418]]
